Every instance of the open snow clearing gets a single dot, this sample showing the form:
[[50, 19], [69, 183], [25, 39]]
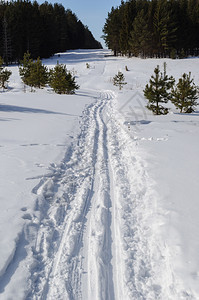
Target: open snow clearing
[[94, 188]]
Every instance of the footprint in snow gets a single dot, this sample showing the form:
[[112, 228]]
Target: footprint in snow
[[27, 217]]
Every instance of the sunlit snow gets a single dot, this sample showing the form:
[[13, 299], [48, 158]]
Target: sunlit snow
[[99, 198]]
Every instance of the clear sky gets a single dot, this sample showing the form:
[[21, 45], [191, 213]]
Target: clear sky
[[91, 12]]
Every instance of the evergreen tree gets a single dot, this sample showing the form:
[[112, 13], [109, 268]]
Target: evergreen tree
[[140, 36], [164, 28], [62, 80], [157, 92], [112, 30], [7, 50], [184, 96], [126, 25], [173, 54], [41, 30], [33, 73], [38, 74], [119, 80], [4, 75], [25, 68]]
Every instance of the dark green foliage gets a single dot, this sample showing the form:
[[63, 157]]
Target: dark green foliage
[[182, 54], [154, 28], [140, 36], [119, 80], [184, 96], [40, 29], [25, 66], [62, 80], [112, 30], [173, 54], [4, 75], [38, 74], [33, 73], [157, 92]]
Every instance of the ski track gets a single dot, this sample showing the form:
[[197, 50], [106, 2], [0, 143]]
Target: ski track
[[91, 236], [63, 202]]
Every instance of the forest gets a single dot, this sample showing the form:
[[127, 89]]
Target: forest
[[42, 30], [154, 28]]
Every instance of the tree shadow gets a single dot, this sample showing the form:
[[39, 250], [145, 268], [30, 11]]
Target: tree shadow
[[194, 114], [8, 119], [79, 56], [22, 109]]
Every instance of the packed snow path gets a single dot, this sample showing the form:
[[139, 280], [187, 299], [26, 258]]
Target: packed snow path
[[90, 238]]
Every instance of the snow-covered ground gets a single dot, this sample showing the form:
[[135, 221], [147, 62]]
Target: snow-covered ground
[[99, 198]]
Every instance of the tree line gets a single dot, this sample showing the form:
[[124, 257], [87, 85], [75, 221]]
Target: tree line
[[41, 30], [154, 28]]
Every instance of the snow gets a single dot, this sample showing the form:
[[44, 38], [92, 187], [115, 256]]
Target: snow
[[99, 198]]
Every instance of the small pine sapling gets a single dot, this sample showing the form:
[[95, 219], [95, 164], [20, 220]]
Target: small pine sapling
[[158, 91], [62, 81], [4, 75], [24, 69], [173, 54], [184, 96], [33, 73], [38, 76], [182, 54], [119, 80]]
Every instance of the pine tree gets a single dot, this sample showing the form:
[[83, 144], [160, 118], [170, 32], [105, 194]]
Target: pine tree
[[4, 75], [184, 96], [157, 92], [33, 73], [62, 80], [140, 36], [126, 24], [38, 76], [25, 68], [40, 29], [7, 51], [119, 80], [112, 29]]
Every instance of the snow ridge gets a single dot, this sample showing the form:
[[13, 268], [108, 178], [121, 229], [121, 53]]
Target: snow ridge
[[132, 195]]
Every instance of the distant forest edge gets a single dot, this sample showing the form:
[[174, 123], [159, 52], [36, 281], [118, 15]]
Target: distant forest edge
[[156, 28], [40, 29]]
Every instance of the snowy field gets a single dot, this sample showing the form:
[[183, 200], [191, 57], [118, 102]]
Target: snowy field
[[99, 198]]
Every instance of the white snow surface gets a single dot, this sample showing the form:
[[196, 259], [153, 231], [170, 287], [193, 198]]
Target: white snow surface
[[99, 198]]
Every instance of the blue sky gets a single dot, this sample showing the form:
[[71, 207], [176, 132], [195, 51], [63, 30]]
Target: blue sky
[[92, 13]]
